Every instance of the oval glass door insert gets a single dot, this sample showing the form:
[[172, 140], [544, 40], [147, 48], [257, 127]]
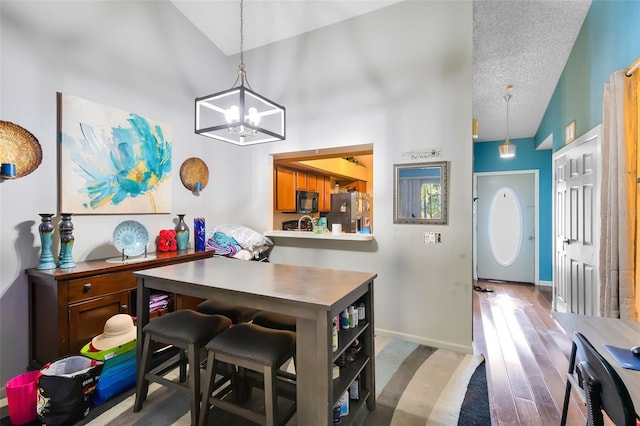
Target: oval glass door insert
[[505, 226]]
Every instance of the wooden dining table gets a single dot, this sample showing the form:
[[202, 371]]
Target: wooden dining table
[[315, 296], [602, 331]]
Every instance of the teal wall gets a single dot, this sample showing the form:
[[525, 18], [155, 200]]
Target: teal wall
[[608, 41], [487, 159]]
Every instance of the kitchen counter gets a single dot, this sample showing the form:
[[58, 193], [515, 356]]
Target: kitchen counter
[[324, 236]]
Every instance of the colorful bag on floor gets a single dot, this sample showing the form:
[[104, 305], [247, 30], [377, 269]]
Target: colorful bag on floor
[[65, 388]]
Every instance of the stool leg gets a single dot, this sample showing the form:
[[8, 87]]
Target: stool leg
[[241, 385], [270, 396], [193, 354], [183, 366], [210, 375], [142, 384]]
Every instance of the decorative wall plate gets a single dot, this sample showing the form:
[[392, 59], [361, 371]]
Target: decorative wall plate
[[194, 171], [132, 237], [20, 147]]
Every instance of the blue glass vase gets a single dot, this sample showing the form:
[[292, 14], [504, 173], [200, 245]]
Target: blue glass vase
[[182, 233], [199, 234]]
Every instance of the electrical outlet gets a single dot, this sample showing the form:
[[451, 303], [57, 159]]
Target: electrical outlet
[[432, 237]]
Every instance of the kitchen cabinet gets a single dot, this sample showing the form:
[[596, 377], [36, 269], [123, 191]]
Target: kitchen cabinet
[[306, 181], [324, 189], [312, 182], [353, 186], [284, 189], [68, 307], [287, 181], [301, 180]]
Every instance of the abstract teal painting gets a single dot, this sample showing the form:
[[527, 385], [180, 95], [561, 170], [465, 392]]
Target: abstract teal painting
[[112, 161]]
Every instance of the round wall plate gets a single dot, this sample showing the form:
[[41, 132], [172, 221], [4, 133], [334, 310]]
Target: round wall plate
[[20, 147], [194, 174]]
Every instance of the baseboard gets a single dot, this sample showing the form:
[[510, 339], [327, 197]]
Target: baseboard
[[422, 341], [545, 283]]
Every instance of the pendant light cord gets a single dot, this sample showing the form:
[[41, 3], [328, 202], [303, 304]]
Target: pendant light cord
[[241, 35], [242, 73], [507, 98]]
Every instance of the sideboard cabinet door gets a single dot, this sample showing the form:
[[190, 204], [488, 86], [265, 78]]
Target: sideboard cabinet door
[[86, 320]]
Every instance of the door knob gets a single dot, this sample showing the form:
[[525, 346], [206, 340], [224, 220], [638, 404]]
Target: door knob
[[566, 241]]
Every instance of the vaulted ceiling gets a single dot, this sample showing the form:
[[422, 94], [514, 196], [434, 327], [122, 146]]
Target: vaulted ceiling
[[520, 43]]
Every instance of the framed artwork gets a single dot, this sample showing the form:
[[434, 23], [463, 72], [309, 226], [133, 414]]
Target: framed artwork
[[111, 161], [570, 132], [420, 193]]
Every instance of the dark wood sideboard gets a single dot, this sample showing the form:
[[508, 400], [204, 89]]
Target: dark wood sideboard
[[68, 307]]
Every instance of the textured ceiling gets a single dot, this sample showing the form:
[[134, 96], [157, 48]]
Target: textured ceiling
[[523, 43]]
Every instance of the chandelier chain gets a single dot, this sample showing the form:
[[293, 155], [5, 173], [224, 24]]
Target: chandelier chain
[[507, 98], [241, 34]]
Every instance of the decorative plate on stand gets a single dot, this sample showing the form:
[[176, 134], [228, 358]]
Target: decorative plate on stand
[[132, 237]]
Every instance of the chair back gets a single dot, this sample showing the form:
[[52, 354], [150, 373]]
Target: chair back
[[603, 387]]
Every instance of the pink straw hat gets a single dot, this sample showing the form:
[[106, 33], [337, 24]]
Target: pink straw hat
[[118, 330]]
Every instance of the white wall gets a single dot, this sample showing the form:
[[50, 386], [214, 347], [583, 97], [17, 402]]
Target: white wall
[[399, 78], [137, 56]]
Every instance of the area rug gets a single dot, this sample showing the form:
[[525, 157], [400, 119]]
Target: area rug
[[415, 385], [419, 385]]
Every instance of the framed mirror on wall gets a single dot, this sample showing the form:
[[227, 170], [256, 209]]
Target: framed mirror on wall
[[420, 193]]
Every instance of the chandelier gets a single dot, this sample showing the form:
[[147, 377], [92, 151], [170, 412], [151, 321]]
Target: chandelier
[[507, 149], [239, 115]]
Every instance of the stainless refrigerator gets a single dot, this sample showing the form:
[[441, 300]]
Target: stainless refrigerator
[[352, 210]]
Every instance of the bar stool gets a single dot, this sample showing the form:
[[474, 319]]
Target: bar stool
[[249, 346], [189, 331], [275, 321], [236, 313]]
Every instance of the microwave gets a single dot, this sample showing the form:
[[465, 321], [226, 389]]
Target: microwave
[[306, 201]]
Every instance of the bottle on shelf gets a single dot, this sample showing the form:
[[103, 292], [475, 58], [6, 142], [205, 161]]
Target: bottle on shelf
[[353, 319], [345, 319], [344, 404], [354, 390], [361, 312]]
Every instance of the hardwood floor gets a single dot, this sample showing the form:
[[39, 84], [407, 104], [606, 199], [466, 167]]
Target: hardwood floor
[[527, 355]]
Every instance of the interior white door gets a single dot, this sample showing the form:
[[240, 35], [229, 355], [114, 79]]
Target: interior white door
[[506, 227], [576, 227]]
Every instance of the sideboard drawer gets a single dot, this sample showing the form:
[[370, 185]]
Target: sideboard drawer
[[98, 285]]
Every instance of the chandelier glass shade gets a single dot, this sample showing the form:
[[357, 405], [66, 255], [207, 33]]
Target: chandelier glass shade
[[239, 115], [507, 149]]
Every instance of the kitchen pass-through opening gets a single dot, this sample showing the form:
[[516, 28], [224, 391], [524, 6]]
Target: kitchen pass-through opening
[[322, 171]]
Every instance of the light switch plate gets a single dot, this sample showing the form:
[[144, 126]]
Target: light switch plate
[[432, 237]]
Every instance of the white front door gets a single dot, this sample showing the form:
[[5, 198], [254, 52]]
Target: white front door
[[576, 225], [506, 226]]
